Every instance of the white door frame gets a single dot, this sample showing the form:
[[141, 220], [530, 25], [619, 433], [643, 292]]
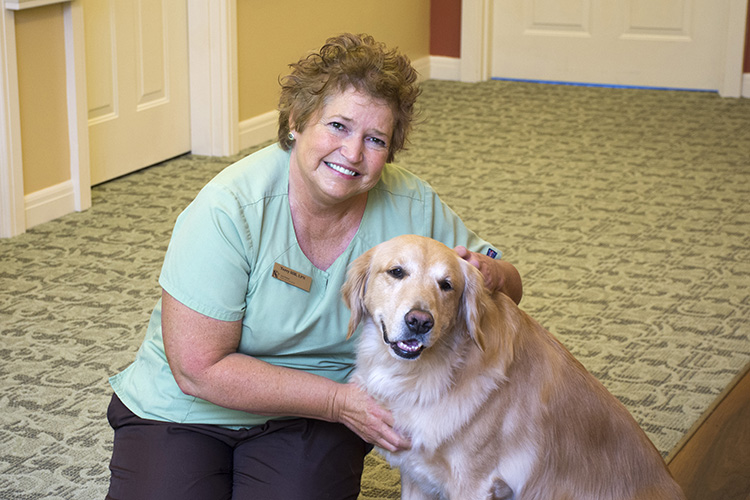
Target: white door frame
[[214, 101], [12, 218], [476, 44], [214, 122]]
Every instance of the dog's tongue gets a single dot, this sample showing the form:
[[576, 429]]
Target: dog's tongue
[[409, 345]]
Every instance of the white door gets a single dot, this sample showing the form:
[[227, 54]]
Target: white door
[[137, 84], [655, 43]]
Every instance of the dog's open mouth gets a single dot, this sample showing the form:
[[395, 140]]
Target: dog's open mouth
[[407, 349]]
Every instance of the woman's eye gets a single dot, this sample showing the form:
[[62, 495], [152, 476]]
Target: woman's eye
[[337, 125], [378, 142], [396, 272]]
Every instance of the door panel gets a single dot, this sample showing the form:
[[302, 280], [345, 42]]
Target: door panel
[[662, 18], [568, 16], [150, 48], [660, 43], [101, 72], [137, 77]]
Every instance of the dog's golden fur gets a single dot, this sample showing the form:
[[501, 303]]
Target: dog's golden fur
[[495, 406]]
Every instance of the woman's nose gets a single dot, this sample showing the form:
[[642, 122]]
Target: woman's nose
[[352, 149]]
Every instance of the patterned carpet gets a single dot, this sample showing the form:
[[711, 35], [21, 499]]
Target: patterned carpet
[[625, 211]]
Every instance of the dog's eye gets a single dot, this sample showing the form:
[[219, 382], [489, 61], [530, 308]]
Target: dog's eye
[[396, 272], [445, 285]]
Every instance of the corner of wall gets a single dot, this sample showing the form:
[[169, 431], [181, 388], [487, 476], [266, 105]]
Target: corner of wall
[[424, 67], [49, 203], [445, 68], [258, 129]]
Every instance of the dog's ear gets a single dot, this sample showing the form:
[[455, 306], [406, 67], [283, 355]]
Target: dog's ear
[[353, 290], [473, 303]]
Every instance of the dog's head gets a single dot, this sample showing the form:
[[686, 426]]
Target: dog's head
[[416, 291]]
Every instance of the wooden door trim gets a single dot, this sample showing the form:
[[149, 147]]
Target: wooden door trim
[[476, 40], [78, 124], [12, 218], [214, 101]]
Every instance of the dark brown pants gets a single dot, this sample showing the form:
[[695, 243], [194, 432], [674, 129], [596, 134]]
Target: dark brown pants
[[284, 459]]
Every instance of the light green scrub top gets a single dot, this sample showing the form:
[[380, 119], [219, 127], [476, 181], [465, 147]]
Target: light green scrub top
[[220, 263]]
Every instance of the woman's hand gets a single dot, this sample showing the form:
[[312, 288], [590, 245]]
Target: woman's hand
[[499, 275], [364, 416]]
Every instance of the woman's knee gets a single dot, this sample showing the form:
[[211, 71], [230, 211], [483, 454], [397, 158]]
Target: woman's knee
[[159, 460], [301, 459]]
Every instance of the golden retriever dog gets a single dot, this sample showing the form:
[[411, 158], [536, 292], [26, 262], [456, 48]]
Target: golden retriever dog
[[495, 406]]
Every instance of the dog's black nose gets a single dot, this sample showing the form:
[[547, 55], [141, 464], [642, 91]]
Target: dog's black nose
[[419, 321]]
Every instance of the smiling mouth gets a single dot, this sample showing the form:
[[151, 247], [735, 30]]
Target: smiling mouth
[[341, 170], [407, 349]]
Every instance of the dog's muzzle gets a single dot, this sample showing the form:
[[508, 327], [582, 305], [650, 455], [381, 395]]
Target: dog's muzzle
[[417, 324]]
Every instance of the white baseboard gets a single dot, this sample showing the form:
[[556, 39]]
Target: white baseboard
[[422, 65], [746, 85], [445, 68], [49, 203], [259, 129]]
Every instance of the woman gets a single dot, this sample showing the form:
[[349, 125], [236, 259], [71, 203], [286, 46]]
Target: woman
[[239, 389]]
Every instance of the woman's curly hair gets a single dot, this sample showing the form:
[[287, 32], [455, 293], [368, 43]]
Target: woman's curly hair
[[346, 61]]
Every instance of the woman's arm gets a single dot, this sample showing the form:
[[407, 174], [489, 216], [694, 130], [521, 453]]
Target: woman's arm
[[202, 354], [499, 275]]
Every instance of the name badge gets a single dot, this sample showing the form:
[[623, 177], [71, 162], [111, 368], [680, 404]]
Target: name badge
[[291, 277]]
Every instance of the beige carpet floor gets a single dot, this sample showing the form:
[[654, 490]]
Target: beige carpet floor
[[625, 210]]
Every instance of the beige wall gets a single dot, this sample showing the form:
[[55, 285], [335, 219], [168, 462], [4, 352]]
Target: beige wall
[[42, 98], [270, 35]]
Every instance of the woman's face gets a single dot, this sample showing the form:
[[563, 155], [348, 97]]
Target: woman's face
[[343, 148]]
